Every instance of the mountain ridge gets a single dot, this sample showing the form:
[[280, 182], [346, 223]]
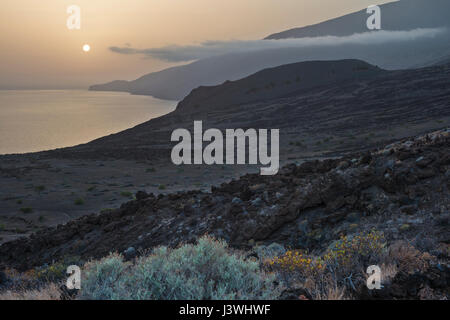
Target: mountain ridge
[[278, 82], [399, 15], [175, 83], [329, 105]]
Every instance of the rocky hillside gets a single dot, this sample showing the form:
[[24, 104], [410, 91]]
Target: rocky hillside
[[331, 114], [276, 83], [321, 116], [401, 190]]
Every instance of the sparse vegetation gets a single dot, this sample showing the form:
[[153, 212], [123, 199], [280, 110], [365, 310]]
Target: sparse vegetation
[[126, 194], [404, 227], [26, 210], [54, 272], [333, 219], [350, 253], [340, 268], [106, 210], [211, 270], [48, 292], [39, 188]]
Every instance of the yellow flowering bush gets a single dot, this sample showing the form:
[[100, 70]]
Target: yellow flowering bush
[[298, 261], [56, 271], [343, 254], [349, 252]]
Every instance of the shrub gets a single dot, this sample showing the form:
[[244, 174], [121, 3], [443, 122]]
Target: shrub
[[191, 272], [405, 227], [103, 280], [407, 258], [265, 253], [56, 271], [126, 194], [79, 202], [342, 265], [296, 260], [106, 210], [26, 210], [39, 188], [352, 253]]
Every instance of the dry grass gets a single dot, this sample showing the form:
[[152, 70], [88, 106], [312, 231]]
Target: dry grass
[[388, 272], [50, 292], [325, 289], [408, 258]]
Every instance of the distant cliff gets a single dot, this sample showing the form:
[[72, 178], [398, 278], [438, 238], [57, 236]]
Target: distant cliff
[[400, 15]]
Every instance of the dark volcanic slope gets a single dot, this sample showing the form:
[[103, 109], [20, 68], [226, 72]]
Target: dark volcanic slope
[[279, 82], [402, 190], [356, 110], [399, 15]]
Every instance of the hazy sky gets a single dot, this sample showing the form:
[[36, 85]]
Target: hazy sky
[[38, 51]]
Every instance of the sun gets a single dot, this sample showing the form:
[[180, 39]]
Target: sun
[[86, 48]]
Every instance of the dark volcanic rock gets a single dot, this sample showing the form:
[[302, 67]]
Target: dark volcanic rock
[[406, 286], [318, 200]]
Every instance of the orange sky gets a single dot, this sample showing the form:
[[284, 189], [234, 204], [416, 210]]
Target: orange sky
[[38, 51]]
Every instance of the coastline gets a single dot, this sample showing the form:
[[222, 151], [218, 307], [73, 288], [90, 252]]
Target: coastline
[[41, 120]]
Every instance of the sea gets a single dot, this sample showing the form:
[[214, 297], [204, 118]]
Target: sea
[[37, 120]]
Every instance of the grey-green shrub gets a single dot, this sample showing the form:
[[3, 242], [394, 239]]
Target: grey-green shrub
[[191, 272], [268, 252], [103, 280]]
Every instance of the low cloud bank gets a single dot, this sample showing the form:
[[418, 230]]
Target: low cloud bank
[[207, 49]]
